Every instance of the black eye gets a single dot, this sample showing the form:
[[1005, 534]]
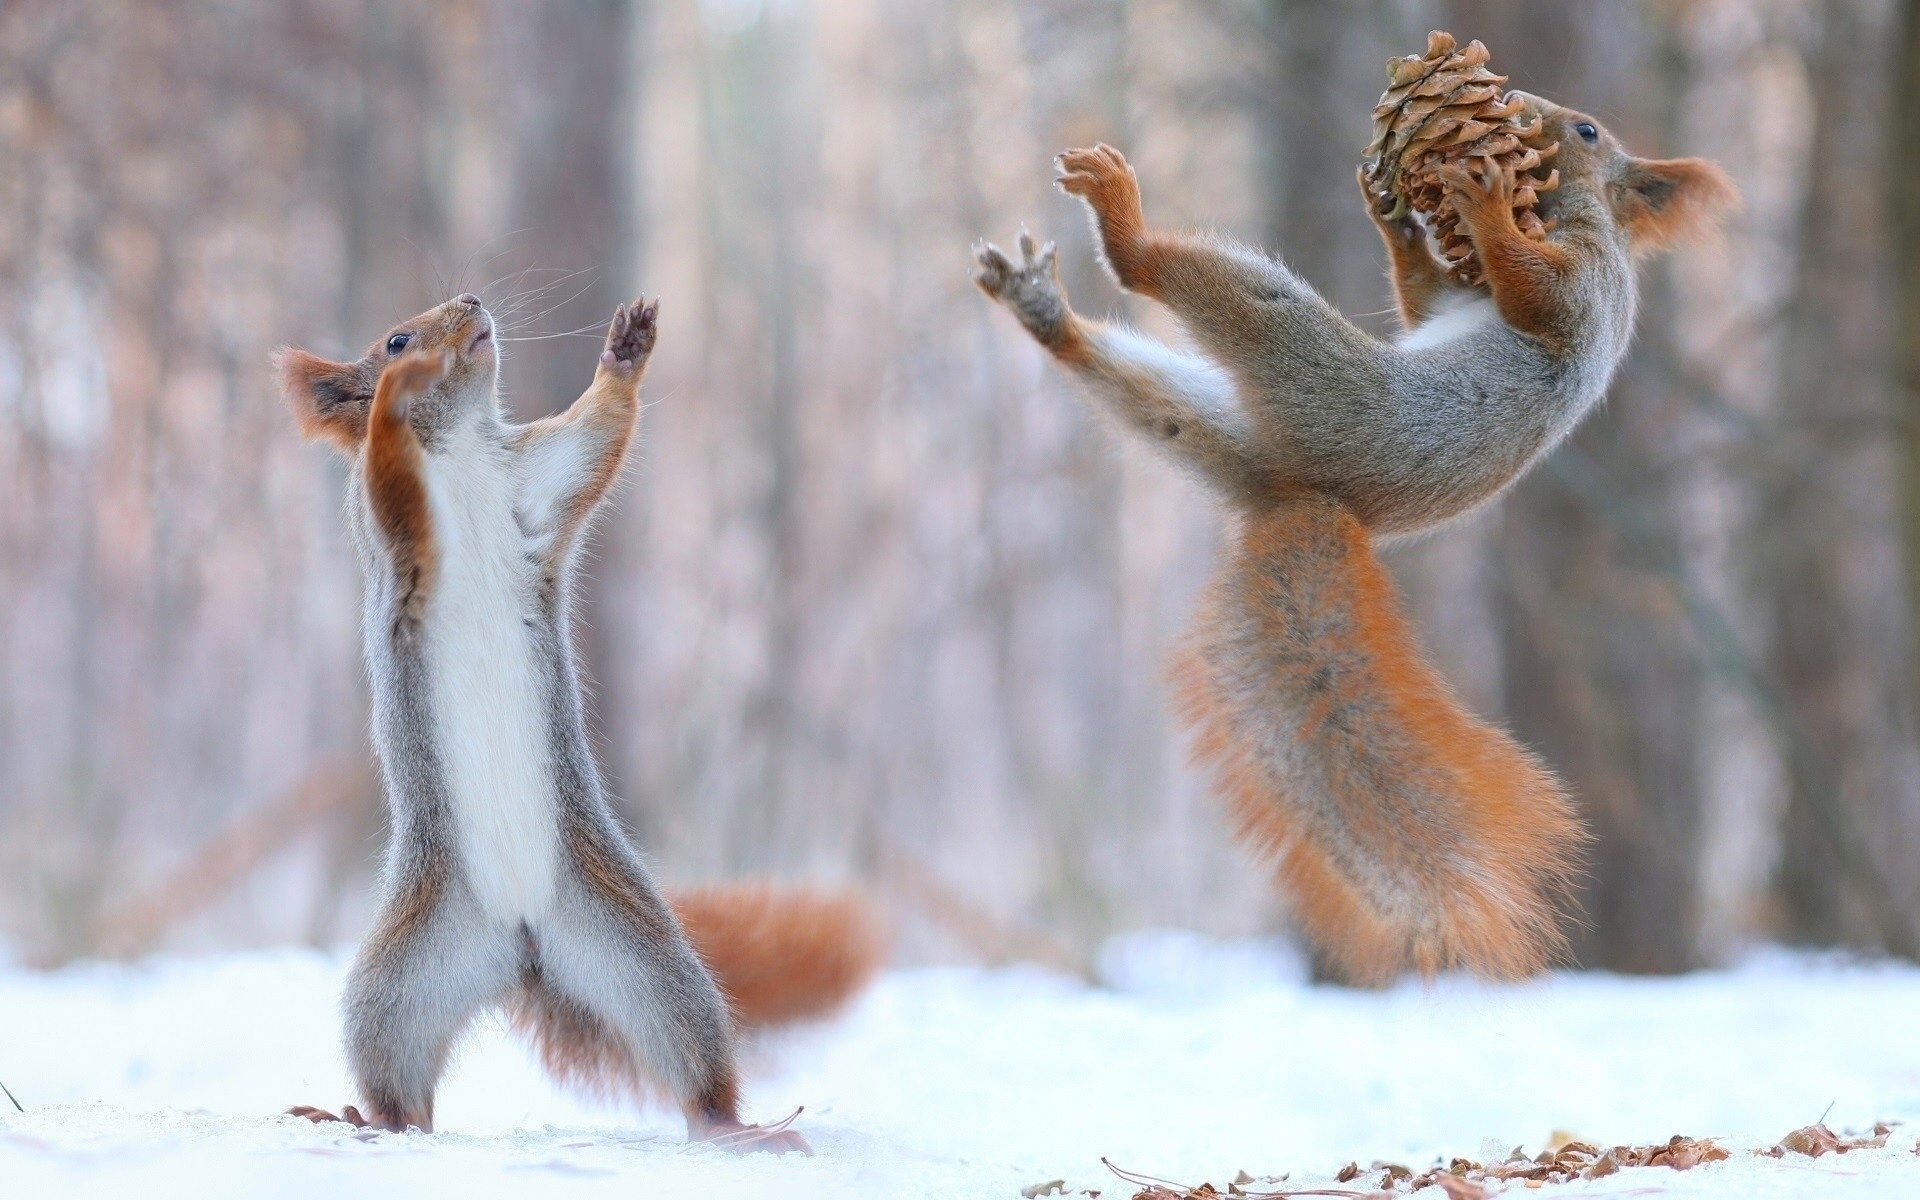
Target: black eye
[[1587, 132], [398, 342]]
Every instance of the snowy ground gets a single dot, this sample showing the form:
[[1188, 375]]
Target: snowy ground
[[164, 1079]]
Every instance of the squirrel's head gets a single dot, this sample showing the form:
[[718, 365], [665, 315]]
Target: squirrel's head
[[331, 399], [1658, 201]]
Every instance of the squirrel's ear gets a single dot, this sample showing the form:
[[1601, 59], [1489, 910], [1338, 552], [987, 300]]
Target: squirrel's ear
[[328, 399], [1664, 201]]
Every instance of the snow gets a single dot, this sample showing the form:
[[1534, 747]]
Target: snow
[[1197, 1060]]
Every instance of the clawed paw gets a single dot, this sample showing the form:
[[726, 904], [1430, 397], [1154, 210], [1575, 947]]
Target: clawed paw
[[1490, 188], [1030, 285], [1390, 213], [1099, 175], [418, 370], [404, 378], [631, 334], [740, 1138], [1003, 278]]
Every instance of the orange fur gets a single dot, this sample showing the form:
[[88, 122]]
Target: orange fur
[[1417, 276], [779, 954], [328, 399], [575, 1046], [1406, 831], [782, 954], [395, 468], [1103, 178], [1528, 279], [1666, 201]]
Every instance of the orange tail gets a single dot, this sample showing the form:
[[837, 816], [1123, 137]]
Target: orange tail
[[782, 954], [1406, 831]]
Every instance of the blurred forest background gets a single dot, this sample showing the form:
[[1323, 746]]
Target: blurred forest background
[[881, 600]]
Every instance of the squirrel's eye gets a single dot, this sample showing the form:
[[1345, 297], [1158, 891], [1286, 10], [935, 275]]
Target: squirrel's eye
[[398, 342], [1587, 132]]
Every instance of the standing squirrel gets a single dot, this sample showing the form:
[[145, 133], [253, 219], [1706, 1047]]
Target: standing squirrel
[[1407, 831], [507, 879]]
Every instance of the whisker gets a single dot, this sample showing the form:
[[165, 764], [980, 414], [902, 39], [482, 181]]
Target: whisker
[[596, 330], [512, 306]]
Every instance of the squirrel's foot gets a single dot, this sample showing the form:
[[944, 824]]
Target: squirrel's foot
[[320, 1116], [630, 336], [352, 1116], [1104, 180], [742, 1138], [1030, 286]]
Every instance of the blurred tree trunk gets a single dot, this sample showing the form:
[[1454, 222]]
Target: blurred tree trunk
[[1904, 170], [1840, 641], [1598, 675]]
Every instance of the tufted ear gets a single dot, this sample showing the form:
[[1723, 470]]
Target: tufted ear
[[328, 399], [1662, 202]]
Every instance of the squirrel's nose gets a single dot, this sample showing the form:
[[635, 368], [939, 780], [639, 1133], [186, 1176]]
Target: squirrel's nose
[[469, 299]]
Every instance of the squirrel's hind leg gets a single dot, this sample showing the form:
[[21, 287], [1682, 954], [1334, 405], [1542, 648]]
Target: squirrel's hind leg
[[429, 965], [623, 1001]]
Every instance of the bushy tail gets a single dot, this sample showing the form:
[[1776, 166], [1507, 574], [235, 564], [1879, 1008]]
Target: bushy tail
[[782, 954], [1406, 831]]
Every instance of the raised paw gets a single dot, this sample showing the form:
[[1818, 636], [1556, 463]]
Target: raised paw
[[631, 334], [1390, 213], [1489, 193], [1102, 178], [1030, 287], [416, 372], [406, 377]]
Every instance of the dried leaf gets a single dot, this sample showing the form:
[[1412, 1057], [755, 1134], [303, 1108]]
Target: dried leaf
[[1816, 1139], [1348, 1173], [1044, 1189], [1459, 1188]]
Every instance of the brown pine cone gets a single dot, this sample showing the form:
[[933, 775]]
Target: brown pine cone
[[1445, 106]]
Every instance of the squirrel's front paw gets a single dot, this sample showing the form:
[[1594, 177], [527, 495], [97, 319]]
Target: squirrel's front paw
[[1102, 177], [631, 335], [1491, 192], [1390, 213], [418, 370], [404, 378], [1030, 287]]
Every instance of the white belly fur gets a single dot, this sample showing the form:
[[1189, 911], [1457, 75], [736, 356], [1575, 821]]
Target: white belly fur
[[492, 731], [1458, 318]]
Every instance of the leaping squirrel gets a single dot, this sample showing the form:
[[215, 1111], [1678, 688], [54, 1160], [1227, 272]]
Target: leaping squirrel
[[1406, 831], [507, 879]]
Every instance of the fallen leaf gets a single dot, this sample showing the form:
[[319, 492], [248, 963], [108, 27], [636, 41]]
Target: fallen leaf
[[1460, 1188], [1816, 1139], [1033, 1190]]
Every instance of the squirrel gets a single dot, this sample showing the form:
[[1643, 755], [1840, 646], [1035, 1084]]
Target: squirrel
[[1406, 831], [507, 879]]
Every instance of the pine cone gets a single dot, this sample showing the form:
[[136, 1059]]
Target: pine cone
[[1442, 107]]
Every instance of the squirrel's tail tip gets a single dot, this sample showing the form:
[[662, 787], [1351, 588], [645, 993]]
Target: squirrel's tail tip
[[783, 953], [1502, 918]]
